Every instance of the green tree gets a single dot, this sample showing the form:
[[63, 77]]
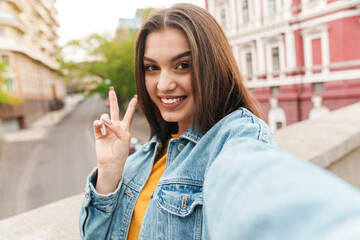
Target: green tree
[[5, 98], [110, 60]]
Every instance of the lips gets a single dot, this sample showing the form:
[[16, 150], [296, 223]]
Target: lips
[[171, 102]]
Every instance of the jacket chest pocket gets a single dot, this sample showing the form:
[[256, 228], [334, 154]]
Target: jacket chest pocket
[[180, 210]]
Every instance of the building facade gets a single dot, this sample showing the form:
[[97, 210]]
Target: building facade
[[28, 45], [300, 58]]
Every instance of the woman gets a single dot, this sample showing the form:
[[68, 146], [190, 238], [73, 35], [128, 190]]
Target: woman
[[199, 112]]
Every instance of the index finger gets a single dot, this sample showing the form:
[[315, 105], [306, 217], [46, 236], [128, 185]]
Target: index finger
[[114, 106], [130, 112]]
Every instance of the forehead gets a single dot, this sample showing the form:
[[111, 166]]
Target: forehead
[[170, 41]]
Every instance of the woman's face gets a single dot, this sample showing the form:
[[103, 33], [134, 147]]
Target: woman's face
[[168, 75]]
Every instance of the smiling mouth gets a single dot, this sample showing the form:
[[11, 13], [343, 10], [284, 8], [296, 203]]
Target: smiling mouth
[[172, 100]]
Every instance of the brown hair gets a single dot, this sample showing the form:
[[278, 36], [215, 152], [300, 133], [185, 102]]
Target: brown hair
[[217, 85]]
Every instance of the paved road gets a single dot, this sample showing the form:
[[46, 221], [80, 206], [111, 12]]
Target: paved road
[[55, 167]]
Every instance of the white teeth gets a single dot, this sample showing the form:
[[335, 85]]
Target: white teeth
[[172, 100]]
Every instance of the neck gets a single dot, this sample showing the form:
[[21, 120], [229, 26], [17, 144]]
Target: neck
[[182, 127]]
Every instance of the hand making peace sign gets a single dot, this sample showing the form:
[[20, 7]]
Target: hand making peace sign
[[112, 142]]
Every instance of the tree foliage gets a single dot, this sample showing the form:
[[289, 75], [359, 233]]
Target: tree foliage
[[6, 98], [111, 61]]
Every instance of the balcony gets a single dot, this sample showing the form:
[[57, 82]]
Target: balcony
[[40, 12], [7, 19], [17, 4], [46, 30], [47, 4]]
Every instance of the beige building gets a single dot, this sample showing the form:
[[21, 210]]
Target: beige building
[[28, 44]]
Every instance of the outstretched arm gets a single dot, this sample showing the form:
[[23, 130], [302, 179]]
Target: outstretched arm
[[257, 191]]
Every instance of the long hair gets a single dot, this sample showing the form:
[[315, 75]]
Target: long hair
[[217, 86]]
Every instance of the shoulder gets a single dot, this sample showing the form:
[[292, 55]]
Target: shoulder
[[243, 124]]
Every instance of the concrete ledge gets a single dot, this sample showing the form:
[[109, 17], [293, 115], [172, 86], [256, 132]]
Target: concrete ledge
[[57, 220], [325, 140]]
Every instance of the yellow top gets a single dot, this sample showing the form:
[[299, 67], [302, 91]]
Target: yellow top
[[144, 197]]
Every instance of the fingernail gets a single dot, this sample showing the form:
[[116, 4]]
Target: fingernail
[[111, 88], [135, 96], [103, 130], [97, 123], [108, 121]]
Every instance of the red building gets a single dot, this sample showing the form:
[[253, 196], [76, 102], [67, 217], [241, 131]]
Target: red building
[[300, 58]]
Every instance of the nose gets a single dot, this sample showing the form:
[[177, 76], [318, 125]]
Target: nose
[[166, 82]]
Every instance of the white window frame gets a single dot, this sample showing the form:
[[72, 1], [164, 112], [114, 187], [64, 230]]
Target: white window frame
[[310, 34], [222, 6], [242, 11], [250, 11], [275, 10], [245, 49], [310, 5], [277, 41], [249, 64], [266, 11], [277, 60]]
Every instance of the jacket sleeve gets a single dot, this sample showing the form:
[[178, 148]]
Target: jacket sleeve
[[254, 190], [97, 210]]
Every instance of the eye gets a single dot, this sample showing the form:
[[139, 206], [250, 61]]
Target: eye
[[183, 65], [151, 68]]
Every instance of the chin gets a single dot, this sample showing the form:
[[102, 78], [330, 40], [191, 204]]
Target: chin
[[171, 119]]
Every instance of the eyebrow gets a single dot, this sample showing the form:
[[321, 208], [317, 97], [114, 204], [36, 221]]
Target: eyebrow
[[177, 57]]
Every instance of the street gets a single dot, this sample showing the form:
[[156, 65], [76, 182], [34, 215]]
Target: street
[[34, 173]]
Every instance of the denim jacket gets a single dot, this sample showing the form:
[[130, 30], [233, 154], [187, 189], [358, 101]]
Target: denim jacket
[[175, 210], [230, 183]]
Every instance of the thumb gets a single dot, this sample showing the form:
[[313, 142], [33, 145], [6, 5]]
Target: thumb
[[99, 129]]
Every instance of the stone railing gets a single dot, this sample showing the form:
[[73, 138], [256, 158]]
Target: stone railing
[[55, 221], [332, 142]]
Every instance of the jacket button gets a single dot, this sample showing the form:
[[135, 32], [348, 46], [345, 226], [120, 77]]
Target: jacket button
[[181, 147]]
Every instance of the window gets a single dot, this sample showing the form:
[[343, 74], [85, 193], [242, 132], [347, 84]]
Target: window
[[275, 59], [223, 17], [272, 7], [318, 87], [279, 125], [275, 91], [249, 68], [5, 59], [245, 10], [8, 85], [316, 49]]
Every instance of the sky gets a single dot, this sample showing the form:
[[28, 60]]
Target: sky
[[79, 18]]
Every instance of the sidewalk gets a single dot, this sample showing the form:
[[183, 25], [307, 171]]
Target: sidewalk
[[39, 129]]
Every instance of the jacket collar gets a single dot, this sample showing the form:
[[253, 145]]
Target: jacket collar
[[192, 134], [151, 144]]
